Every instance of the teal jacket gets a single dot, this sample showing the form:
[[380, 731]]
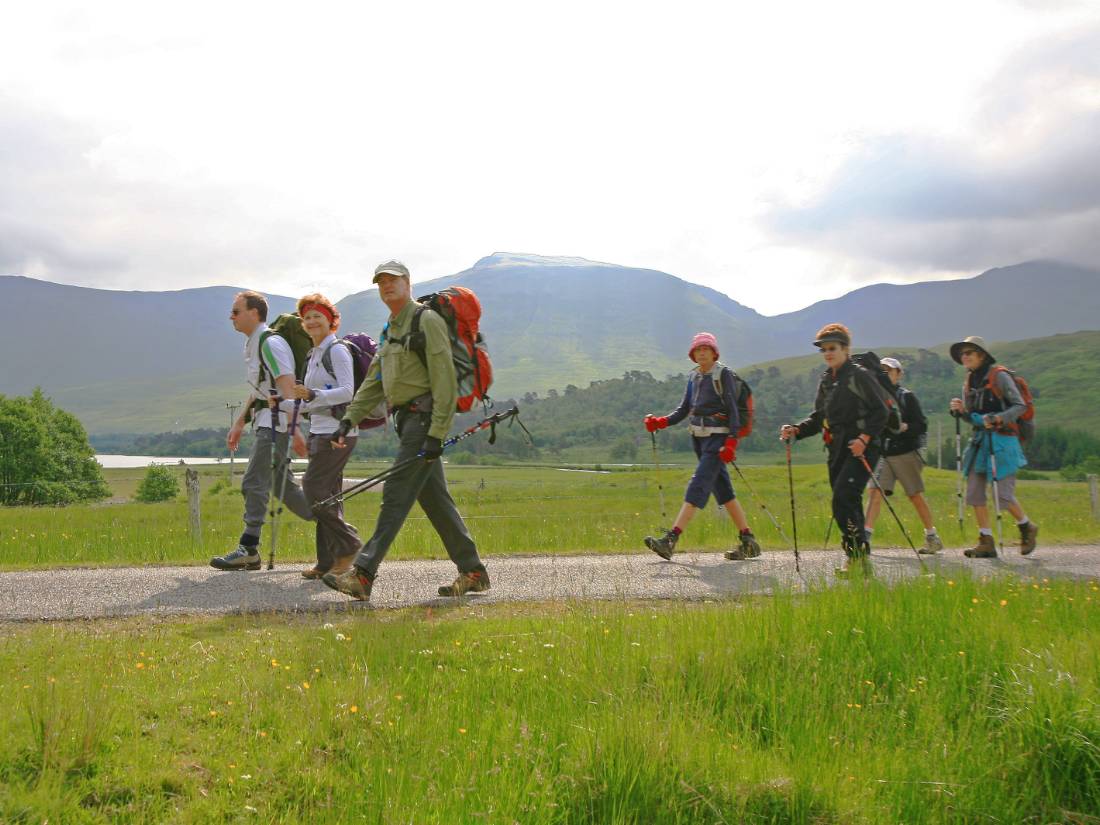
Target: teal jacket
[[1007, 453]]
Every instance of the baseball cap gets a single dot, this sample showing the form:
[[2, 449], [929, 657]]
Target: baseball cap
[[891, 363], [391, 268]]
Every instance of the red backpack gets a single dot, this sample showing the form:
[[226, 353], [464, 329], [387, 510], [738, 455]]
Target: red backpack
[[1024, 426], [461, 310]]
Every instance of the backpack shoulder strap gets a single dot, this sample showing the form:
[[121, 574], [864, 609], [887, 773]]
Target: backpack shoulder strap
[[326, 356], [716, 376], [414, 339], [991, 378], [267, 333]]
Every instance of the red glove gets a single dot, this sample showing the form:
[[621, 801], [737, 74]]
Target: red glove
[[655, 422], [728, 452]]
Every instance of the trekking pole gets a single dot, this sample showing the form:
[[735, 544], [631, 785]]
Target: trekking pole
[[273, 498], [291, 427], [996, 499], [794, 521], [489, 423], [760, 501], [828, 532], [959, 470], [893, 512], [657, 472]]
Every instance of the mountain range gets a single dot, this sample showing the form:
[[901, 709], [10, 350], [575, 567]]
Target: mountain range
[[153, 361]]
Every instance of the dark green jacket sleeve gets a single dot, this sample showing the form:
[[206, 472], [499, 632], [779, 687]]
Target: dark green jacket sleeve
[[369, 395]]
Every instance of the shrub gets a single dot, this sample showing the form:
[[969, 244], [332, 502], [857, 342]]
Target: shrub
[[159, 484]]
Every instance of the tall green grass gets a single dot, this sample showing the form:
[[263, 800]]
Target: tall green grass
[[935, 701], [509, 510]]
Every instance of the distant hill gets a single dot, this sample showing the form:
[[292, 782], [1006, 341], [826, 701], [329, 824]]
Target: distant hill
[[153, 361], [1027, 300]]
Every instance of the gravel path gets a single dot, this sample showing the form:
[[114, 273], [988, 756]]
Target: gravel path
[[165, 591]]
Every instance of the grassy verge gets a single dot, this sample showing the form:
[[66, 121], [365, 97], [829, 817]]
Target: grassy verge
[[510, 510], [935, 701]]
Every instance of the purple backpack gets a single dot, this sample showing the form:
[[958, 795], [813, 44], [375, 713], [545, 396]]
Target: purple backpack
[[362, 349]]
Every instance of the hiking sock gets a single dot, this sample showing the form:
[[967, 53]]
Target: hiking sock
[[931, 531], [1023, 522], [746, 532], [676, 531], [985, 531], [250, 541]]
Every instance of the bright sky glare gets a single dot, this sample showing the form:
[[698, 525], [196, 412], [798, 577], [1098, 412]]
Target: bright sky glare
[[780, 153]]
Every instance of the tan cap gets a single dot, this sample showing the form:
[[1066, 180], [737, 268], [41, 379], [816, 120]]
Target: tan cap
[[972, 342], [391, 268]]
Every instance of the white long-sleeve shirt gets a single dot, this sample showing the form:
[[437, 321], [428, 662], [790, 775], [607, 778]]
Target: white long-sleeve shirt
[[330, 389]]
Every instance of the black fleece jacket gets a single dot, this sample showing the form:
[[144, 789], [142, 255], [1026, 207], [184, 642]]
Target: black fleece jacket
[[848, 403]]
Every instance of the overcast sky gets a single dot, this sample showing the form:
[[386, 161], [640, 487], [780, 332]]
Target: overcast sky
[[781, 153]]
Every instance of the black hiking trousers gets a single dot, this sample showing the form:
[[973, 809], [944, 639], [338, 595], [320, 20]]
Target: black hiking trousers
[[848, 478]]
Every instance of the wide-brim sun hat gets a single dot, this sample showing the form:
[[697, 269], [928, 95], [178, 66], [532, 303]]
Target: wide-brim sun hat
[[973, 341]]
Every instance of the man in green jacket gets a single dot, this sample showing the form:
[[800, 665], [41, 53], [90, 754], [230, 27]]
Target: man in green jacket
[[414, 374]]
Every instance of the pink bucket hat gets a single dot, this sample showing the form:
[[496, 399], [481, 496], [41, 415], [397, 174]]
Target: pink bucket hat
[[703, 339]]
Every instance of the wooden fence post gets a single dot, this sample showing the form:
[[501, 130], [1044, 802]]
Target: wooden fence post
[[1094, 495], [192, 483]]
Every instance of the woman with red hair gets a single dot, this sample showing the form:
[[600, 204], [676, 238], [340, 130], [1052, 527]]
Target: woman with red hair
[[328, 387]]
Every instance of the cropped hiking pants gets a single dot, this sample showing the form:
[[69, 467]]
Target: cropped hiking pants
[[848, 477], [711, 475], [256, 487], [421, 481]]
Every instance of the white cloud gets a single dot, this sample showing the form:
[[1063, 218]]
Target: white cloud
[[292, 148]]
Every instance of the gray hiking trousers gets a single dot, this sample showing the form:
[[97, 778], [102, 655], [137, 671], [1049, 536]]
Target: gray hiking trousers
[[325, 477], [421, 482], [256, 486]]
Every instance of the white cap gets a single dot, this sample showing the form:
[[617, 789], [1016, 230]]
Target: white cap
[[891, 364]]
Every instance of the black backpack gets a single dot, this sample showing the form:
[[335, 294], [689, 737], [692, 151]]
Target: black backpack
[[746, 409], [870, 363]]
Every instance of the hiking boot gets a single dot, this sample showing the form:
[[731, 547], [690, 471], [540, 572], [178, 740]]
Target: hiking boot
[[342, 564], [1028, 534], [476, 581], [313, 573], [984, 549], [749, 548], [243, 558], [855, 567], [932, 545], [352, 582], [857, 563], [664, 546]]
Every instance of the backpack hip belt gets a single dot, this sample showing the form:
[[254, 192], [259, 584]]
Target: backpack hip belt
[[702, 431]]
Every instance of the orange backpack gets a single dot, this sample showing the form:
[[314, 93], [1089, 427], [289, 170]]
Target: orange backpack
[[1024, 426], [461, 310]]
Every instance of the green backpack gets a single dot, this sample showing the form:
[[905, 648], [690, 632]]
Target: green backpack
[[288, 326]]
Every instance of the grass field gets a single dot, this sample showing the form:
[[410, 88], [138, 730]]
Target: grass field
[[934, 701], [510, 510]]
